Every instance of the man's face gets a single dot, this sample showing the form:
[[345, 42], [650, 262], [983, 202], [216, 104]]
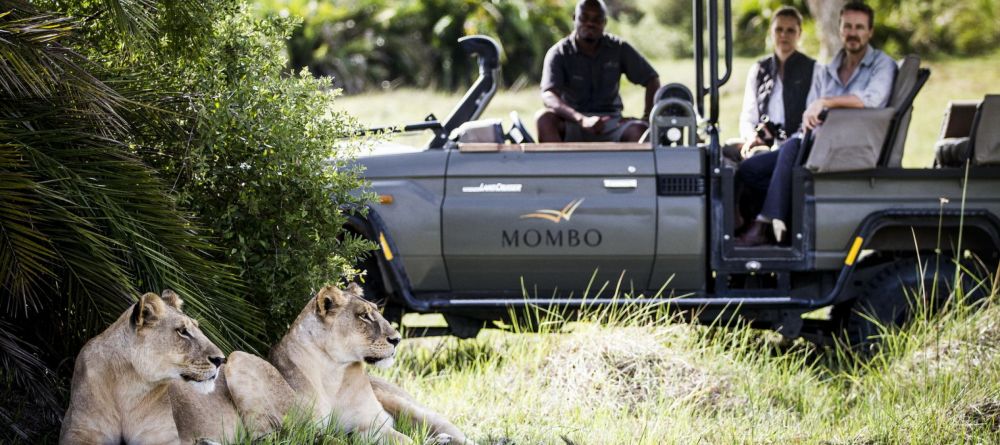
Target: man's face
[[589, 22], [854, 31], [785, 33]]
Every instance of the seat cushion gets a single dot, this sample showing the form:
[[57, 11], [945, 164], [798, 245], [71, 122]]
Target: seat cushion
[[951, 152]]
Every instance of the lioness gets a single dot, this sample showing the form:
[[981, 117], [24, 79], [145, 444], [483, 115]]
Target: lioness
[[322, 357], [119, 388]]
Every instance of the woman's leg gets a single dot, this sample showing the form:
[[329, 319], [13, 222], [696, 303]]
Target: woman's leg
[[779, 191]]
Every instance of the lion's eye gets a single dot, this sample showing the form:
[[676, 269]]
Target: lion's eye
[[364, 316], [183, 332]]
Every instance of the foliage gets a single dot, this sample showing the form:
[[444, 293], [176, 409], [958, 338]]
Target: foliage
[[657, 29], [930, 28], [252, 151], [259, 170], [85, 226], [197, 91], [384, 43], [751, 21]]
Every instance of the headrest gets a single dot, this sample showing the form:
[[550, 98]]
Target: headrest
[[986, 135], [486, 130], [906, 79]]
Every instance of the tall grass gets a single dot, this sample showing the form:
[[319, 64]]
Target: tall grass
[[639, 375]]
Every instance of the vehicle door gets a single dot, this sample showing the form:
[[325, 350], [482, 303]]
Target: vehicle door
[[550, 220]]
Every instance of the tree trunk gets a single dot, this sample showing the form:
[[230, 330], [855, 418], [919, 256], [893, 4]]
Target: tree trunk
[[827, 16]]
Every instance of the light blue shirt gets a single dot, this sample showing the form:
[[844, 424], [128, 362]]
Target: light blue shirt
[[871, 81]]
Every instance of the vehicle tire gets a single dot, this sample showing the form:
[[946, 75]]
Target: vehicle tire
[[886, 293], [464, 327]]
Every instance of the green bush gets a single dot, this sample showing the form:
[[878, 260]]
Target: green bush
[[257, 156], [257, 172]]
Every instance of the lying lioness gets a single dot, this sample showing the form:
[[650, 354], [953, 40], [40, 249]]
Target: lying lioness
[[119, 388], [322, 359]]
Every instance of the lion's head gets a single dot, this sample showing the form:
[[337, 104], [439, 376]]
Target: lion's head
[[349, 328], [169, 345]]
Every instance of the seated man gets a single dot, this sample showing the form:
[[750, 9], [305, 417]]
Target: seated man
[[858, 77], [580, 82]]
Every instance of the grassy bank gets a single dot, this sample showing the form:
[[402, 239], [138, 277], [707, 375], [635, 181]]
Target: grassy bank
[[950, 80]]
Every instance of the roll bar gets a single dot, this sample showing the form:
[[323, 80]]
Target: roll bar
[[487, 51], [711, 21]]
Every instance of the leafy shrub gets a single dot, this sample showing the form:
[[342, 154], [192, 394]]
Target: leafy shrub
[[255, 154], [257, 170]]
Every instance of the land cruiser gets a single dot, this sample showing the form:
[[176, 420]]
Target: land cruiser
[[483, 219]]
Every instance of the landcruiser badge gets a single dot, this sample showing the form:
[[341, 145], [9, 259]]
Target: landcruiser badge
[[493, 188], [555, 215]]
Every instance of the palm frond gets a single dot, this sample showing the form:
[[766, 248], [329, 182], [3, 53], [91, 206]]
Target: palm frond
[[24, 372], [35, 66]]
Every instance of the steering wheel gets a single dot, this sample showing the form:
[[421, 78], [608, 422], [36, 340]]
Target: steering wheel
[[518, 133]]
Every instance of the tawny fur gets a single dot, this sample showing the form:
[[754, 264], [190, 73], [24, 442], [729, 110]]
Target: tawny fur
[[322, 358], [248, 389], [119, 387]]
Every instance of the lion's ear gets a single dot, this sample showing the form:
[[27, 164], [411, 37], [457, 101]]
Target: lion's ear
[[147, 310], [355, 289], [328, 299], [172, 299]]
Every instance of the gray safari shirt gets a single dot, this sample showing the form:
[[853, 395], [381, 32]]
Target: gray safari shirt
[[590, 84]]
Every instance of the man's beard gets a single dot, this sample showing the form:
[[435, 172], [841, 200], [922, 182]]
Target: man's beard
[[858, 41]]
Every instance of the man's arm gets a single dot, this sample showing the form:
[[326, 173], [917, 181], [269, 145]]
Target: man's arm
[[552, 101], [651, 87], [811, 118]]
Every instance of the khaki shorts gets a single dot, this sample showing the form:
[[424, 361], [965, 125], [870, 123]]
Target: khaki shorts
[[613, 130]]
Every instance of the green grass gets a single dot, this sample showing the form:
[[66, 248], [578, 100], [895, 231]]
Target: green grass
[[640, 376], [950, 80]]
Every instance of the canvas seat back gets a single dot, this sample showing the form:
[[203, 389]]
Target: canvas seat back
[[861, 139]]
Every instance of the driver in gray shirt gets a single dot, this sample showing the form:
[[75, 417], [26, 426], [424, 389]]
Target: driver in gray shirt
[[580, 82]]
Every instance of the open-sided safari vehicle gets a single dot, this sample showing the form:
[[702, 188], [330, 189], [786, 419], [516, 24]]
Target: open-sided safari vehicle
[[483, 219]]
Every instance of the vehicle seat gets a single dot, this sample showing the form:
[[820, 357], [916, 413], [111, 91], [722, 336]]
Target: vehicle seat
[[486, 130], [861, 139], [962, 137]]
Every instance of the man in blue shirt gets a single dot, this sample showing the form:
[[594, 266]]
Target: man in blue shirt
[[580, 82], [858, 77]]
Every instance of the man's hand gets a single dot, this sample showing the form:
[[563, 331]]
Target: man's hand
[[811, 118], [594, 124]]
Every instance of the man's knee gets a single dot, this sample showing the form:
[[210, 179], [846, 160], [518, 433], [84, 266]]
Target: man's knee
[[550, 126], [546, 115]]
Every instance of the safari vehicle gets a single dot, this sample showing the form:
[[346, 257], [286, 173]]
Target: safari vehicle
[[482, 219]]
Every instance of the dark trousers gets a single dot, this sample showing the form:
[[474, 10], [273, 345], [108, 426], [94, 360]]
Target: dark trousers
[[770, 175]]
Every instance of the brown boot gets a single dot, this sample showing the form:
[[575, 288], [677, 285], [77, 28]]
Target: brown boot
[[755, 235]]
